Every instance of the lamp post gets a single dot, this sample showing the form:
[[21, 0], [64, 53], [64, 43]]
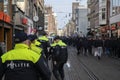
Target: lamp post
[[14, 11]]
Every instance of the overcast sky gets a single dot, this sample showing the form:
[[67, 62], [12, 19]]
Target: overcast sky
[[62, 8]]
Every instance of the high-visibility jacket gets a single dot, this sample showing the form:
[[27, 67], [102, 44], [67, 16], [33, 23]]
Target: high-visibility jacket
[[37, 43], [60, 43], [43, 38], [36, 49], [22, 63], [59, 51], [44, 44]]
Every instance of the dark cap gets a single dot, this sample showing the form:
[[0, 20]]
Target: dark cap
[[43, 33], [32, 37], [20, 37], [56, 37]]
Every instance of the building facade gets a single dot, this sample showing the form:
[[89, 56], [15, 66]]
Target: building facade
[[68, 29], [18, 15], [6, 25], [75, 6], [82, 24], [50, 21], [115, 18], [98, 16]]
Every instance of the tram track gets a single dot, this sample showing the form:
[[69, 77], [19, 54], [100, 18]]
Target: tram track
[[90, 74], [80, 67]]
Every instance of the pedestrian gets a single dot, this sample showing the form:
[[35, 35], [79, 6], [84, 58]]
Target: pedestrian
[[22, 63], [98, 47], [59, 54]]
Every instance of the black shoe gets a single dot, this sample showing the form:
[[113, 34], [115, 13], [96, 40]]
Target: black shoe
[[99, 57], [78, 53]]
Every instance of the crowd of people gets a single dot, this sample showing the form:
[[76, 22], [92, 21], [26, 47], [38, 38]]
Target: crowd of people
[[95, 46], [29, 59]]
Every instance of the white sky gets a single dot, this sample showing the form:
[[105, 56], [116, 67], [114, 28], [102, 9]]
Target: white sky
[[62, 8]]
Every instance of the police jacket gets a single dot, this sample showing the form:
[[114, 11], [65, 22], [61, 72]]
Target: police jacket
[[37, 43], [59, 51], [35, 48], [21, 63], [44, 43]]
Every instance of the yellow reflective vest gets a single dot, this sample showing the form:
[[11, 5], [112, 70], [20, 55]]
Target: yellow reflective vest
[[20, 52], [44, 38], [60, 43], [36, 49]]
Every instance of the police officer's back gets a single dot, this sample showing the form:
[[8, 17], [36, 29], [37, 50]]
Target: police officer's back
[[59, 54], [21, 63], [44, 42]]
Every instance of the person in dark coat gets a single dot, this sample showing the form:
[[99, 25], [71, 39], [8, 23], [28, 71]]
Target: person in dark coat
[[44, 43]]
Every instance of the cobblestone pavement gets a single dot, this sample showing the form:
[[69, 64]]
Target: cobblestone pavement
[[80, 67]]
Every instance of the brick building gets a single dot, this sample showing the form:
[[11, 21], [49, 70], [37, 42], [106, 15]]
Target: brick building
[[50, 21]]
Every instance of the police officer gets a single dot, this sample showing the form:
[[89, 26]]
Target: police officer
[[44, 43], [35, 45], [59, 54], [22, 63]]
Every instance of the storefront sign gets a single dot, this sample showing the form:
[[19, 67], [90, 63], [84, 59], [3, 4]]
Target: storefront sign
[[7, 18], [24, 21], [1, 15], [4, 17]]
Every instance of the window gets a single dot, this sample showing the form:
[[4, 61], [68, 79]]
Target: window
[[77, 29], [46, 19], [6, 6], [103, 15], [103, 9]]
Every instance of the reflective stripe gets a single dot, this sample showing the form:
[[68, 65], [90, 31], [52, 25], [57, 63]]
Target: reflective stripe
[[43, 38], [60, 43], [21, 52]]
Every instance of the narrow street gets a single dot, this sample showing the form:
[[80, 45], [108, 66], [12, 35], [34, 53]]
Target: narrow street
[[89, 68]]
